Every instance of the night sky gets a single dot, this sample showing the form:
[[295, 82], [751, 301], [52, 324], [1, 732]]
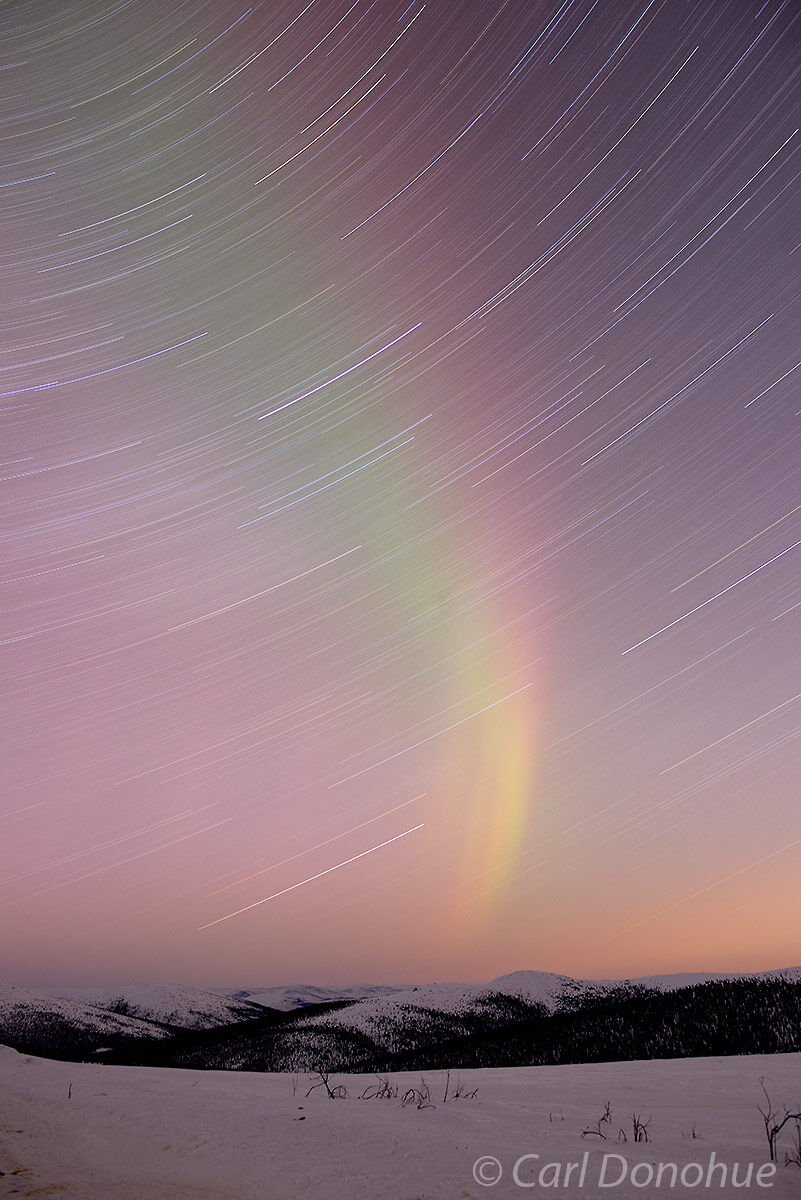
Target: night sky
[[401, 518]]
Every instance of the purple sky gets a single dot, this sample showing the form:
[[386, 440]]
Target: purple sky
[[401, 519]]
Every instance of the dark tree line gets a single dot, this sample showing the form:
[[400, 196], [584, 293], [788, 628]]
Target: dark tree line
[[745, 1016]]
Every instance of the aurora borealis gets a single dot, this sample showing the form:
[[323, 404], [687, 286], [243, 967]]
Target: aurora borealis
[[401, 517]]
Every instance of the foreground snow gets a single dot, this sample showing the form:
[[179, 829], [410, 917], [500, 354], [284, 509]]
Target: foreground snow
[[95, 1132]]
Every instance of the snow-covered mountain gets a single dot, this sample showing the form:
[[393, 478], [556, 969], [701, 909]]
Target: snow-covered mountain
[[383, 1016], [668, 983], [52, 1024], [378, 1023], [185, 1007], [303, 995], [533, 987]]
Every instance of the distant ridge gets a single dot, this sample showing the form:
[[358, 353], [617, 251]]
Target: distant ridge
[[184, 1007], [293, 996], [523, 1018], [66, 1028], [382, 1017], [545, 987]]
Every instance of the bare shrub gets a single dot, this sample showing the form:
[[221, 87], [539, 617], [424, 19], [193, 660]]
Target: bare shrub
[[774, 1121], [383, 1090], [640, 1128], [420, 1096], [459, 1091], [604, 1119], [337, 1092], [792, 1157]]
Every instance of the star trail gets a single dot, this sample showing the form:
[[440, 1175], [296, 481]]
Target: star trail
[[401, 471]]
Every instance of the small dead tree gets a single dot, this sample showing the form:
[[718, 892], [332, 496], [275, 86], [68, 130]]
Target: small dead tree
[[774, 1121]]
